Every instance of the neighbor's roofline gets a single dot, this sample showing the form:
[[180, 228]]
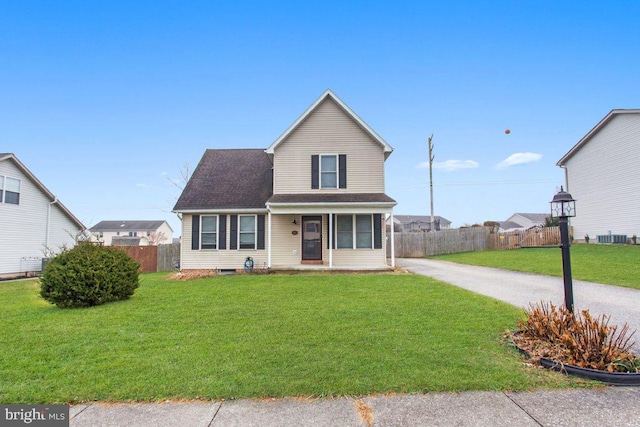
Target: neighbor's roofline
[[593, 131], [329, 94], [41, 186]]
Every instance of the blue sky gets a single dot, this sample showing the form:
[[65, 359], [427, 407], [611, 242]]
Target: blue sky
[[105, 102]]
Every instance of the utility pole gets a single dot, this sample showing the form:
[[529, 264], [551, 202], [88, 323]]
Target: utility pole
[[431, 157]]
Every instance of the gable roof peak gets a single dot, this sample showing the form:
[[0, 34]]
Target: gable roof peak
[[602, 123], [328, 93], [53, 199]]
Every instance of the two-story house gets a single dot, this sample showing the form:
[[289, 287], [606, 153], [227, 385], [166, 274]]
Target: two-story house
[[132, 233], [601, 171], [34, 224], [313, 198]]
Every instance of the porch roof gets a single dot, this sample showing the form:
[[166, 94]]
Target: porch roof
[[330, 203]]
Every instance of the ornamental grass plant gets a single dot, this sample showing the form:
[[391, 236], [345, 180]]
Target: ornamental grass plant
[[555, 333]]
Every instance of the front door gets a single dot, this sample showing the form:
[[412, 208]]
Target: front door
[[311, 238]]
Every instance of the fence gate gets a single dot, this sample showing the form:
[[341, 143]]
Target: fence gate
[[147, 255]]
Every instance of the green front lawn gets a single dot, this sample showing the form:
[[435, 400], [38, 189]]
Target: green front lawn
[[257, 336], [610, 264]]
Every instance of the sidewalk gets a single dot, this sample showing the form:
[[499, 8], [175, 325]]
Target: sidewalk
[[607, 406]]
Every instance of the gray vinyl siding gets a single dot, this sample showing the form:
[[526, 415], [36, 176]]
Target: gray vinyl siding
[[23, 227], [604, 178], [328, 130]]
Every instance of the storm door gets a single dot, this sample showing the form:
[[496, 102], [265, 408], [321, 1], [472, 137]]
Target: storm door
[[311, 238]]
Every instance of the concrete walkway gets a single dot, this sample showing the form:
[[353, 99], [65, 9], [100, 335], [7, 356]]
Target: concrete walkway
[[522, 289], [608, 406]]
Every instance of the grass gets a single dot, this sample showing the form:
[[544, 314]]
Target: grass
[[610, 264], [259, 336]]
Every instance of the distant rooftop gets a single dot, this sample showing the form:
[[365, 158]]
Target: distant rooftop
[[134, 225]]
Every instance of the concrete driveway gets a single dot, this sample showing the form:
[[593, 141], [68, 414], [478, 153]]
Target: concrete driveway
[[521, 289]]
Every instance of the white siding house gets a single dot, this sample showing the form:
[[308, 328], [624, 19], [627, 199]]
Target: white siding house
[[314, 199], [33, 222], [132, 233], [602, 173]]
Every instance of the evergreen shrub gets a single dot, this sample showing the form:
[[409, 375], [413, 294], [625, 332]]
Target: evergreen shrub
[[89, 275]]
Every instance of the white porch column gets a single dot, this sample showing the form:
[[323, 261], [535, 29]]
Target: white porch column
[[393, 239], [330, 240], [269, 242]]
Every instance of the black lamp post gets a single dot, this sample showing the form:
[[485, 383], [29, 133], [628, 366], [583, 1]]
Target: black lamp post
[[563, 206]]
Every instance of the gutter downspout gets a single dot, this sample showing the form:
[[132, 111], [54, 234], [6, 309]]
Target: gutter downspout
[[46, 241]]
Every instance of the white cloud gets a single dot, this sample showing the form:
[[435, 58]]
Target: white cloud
[[519, 159], [451, 165]]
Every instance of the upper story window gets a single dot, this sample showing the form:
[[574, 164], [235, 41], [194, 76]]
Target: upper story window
[[328, 171], [247, 231], [209, 232], [9, 190]]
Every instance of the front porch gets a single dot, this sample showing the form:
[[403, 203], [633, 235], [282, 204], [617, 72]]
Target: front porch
[[323, 241]]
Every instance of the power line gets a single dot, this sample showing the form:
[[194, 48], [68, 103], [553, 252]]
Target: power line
[[468, 183]]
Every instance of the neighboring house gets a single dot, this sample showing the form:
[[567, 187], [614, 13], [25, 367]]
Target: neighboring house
[[505, 226], [602, 171], [418, 223], [314, 197], [523, 221], [132, 233], [34, 224]]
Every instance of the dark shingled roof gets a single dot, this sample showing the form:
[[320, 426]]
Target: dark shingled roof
[[228, 179], [332, 198]]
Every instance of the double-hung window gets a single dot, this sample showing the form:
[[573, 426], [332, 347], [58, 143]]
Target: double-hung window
[[344, 228], [247, 231], [364, 232], [209, 232], [328, 171], [9, 190], [358, 237]]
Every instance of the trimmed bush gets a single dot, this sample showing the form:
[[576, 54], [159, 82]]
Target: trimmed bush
[[89, 275]]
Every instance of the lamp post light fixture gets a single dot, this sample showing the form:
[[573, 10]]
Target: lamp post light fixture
[[563, 206]]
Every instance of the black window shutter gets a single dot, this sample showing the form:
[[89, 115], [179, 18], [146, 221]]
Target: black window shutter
[[342, 171], [222, 232], [377, 231], [315, 171], [195, 232], [233, 237], [260, 232]]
